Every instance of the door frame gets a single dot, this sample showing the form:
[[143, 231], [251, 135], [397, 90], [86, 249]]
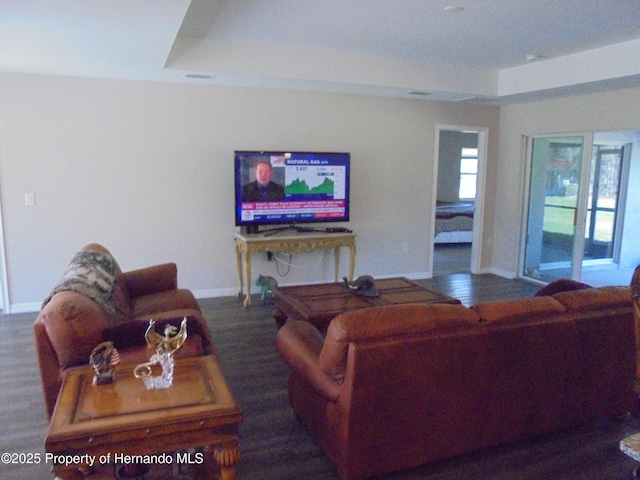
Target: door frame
[[581, 207], [5, 307], [478, 216], [623, 187]]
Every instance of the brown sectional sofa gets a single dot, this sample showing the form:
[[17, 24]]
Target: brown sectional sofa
[[395, 387], [72, 323]]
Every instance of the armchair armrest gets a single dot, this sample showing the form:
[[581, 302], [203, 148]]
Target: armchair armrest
[[299, 344], [148, 280]]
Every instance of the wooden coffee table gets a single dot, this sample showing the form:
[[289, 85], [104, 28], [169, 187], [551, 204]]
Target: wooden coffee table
[[114, 423], [319, 304]]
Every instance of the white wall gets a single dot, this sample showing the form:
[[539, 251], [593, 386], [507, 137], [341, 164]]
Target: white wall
[[615, 110], [146, 170]]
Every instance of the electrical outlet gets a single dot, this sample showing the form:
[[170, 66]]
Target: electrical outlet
[[269, 255], [29, 199], [405, 247]]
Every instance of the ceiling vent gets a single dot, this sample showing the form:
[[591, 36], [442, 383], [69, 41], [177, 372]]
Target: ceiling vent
[[418, 93], [199, 76]]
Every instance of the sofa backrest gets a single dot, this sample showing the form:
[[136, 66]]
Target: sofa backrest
[[595, 298], [517, 310], [383, 323], [411, 320]]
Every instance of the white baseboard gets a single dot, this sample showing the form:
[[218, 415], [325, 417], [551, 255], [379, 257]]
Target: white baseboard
[[503, 273], [232, 291], [216, 292], [410, 276], [24, 307]]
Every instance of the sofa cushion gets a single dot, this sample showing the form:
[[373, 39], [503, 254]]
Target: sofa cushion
[[595, 298], [132, 334], [517, 310], [163, 301], [74, 325], [153, 279], [120, 298], [192, 347], [377, 323], [561, 285]]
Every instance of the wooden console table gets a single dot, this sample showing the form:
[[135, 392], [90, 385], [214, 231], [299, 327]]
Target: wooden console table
[[247, 245]]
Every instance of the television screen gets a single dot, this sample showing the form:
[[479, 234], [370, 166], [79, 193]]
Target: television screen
[[275, 188]]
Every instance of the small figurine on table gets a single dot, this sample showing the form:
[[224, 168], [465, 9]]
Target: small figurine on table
[[363, 285], [165, 346], [103, 359]]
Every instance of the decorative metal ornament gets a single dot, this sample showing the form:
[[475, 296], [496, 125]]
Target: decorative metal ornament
[[165, 345], [103, 359], [363, 285]]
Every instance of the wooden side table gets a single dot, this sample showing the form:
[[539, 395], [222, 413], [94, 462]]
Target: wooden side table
[[247, 245], [94, 425]]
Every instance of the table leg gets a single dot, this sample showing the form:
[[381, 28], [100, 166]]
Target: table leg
[[336, 263], [227, 456], [352, 262], [247, 277], [239, 268], [72, 472], [280, 317]]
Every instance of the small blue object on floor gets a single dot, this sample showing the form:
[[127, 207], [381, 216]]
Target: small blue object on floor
[[266, 284]]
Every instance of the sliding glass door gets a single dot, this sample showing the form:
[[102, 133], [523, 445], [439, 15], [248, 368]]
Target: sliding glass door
[[552, 247], [604, 201]]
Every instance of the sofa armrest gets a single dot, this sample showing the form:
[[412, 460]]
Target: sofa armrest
[[299, 344], [154, 279], [49, 367]]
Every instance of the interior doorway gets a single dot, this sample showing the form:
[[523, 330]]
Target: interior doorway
[[458, 203]]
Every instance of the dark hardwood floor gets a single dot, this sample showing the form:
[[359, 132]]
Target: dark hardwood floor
[[274, 444]]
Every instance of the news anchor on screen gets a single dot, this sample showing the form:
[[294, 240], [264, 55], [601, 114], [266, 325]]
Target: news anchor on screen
[[263, 189]]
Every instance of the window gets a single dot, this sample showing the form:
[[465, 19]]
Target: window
[[468, 173]]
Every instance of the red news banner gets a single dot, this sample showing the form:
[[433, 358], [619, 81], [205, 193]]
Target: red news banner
[[321, 208]]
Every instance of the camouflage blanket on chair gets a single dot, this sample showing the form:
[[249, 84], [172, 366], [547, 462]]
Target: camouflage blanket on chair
[[92, 274]]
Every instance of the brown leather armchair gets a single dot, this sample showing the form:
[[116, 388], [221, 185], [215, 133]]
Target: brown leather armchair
[[71, 324]]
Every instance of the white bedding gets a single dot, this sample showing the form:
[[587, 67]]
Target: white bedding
[[458, 236], [454, 223]]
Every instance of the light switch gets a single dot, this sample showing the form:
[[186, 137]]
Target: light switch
[[29, 199]]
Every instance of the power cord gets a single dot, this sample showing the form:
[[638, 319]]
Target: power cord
[[288, 264]]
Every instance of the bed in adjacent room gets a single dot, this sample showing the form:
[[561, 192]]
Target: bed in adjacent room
[[454, 222]]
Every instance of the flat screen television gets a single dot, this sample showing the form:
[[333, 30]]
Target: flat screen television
[[290, 188]]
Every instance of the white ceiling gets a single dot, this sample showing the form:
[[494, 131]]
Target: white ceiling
[[376, 47]]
